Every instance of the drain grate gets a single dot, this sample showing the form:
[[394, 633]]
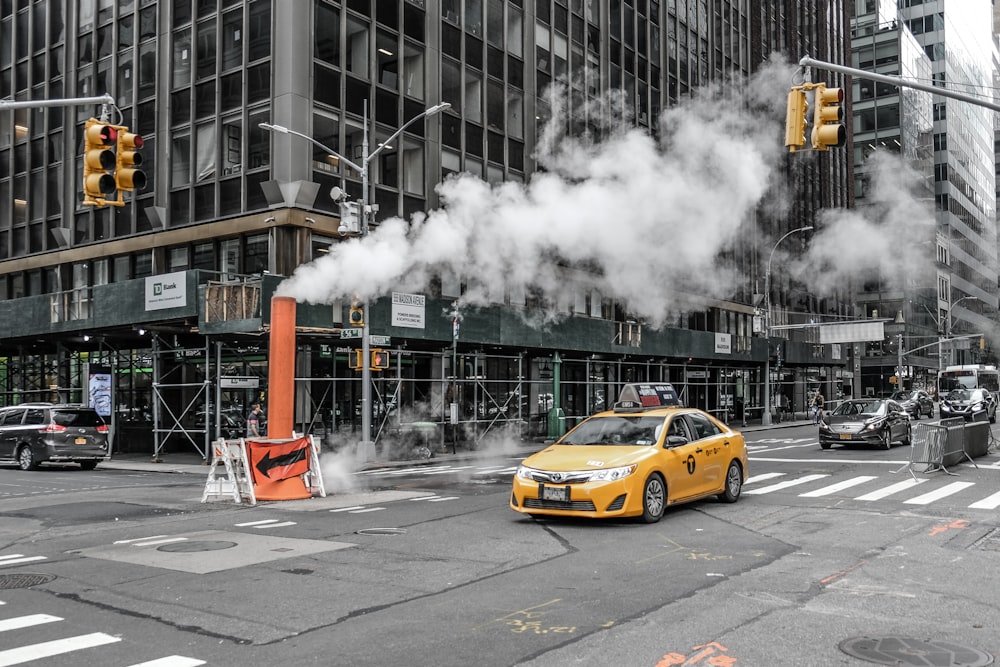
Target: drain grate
[[23, 580], [382, 531], [904, 651]]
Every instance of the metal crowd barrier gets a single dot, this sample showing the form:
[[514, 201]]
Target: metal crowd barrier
[[945, 443]]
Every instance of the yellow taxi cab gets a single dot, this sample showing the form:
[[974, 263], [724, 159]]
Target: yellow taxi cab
[[646, 453]]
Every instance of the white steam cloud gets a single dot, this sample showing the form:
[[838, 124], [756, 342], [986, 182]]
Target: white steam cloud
[[650, 222]]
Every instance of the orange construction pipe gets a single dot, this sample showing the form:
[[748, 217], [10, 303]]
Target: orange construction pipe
[[281, 368]]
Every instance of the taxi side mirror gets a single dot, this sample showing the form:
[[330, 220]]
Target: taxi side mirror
[[675, 440]]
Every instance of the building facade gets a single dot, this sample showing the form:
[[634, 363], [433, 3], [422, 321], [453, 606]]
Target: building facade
[[231, 207]]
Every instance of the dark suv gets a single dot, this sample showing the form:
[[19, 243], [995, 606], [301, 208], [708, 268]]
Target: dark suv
[[33, 433]]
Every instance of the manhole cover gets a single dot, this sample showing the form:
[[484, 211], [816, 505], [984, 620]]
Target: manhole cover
[[205, 545], [23, 580], [918, 652], [382, 531]]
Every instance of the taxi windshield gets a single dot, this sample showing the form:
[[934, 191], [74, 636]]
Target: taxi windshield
[[615, 430]]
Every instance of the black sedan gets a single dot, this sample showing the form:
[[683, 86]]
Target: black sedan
[[874, 421], [970, 404], [915, 401]]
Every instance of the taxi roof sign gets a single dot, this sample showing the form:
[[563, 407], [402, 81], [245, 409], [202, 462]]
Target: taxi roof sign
[[640, 395]]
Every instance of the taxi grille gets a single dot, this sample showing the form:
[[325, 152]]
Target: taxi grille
[[559, 477], [575, 505]]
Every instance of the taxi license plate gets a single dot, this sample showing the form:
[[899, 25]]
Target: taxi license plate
[[846, 436], [560, 493], [81, 441]]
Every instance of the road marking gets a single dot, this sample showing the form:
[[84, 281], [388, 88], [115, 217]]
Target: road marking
[[26, 621], [265, 523], [438, 500], [347, 509], [14, 559], [987, 503], [449, 470], [891, 489], [153, 543], [762, 477], [171, 661], [138, 539], [839, 486], [784, 485], [365, 510], [937, 494], [17, 656]]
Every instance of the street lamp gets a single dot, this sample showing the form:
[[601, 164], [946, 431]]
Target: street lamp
[[766, 417], [365, 446], [947, 330]]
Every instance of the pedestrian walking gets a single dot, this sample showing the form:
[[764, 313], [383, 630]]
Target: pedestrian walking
[[253, 422]]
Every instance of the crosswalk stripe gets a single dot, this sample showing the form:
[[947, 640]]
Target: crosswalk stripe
[[171, 661], [763, 476], [11, 560], [988, 503], [784, 485], [23, 654], [937, 494], [839, 486], [891, 489], [26, 621]]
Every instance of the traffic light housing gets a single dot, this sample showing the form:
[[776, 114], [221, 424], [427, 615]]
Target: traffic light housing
[[795, 118], [128, 176], [356, 316], [354, 359], [350, 220], [380, 360], [828, 115], [98, 161]]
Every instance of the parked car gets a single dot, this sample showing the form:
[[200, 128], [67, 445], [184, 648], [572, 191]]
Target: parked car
[[970, 404], [36, 433], [633, 461], [915, 401], [875, 421]]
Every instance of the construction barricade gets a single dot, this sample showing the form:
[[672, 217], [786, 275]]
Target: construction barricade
[[273, 469], [231, 457], [936, 445]]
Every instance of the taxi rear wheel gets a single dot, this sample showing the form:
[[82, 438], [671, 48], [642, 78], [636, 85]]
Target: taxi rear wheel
[[734, 483], [654, 498]]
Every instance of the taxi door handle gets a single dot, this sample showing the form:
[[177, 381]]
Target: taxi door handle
[[698, 451]]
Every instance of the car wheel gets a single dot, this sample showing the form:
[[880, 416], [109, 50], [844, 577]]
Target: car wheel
[[824, 445], [734, 483], [887, 440], [993, 418], [654, 499], [26, 458], [88, 465]]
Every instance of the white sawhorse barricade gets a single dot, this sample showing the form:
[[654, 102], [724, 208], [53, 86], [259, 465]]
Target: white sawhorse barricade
[[238, 481]]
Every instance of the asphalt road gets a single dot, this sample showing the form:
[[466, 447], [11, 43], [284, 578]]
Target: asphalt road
[[425, 564]]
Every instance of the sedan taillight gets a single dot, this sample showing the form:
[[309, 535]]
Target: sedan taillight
[[52, 428], [103, 428]]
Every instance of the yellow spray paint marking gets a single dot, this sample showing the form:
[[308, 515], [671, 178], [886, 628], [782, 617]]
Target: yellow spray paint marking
[[526, 621]]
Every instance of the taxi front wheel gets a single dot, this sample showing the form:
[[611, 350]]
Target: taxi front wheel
[[654, 499], [734, 483]]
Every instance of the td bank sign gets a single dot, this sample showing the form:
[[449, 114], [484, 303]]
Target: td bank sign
[[166, 291]]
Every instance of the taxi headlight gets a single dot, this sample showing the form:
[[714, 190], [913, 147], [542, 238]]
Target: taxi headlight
[[612, 474], [976, 407], [524, 472], [823, 426]]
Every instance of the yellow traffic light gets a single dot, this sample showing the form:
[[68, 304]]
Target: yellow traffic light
[[128, 176], [380, 360], [356, 316], [98, 161], [982, 342], [828, 115], [795, 118], [354, 359]]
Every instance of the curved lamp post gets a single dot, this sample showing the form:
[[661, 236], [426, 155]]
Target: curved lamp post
[[766, 417], [365, 446]]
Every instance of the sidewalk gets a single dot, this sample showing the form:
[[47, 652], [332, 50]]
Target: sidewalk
[[192, 462]]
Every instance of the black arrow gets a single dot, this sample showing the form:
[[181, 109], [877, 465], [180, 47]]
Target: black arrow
[[267, 464]]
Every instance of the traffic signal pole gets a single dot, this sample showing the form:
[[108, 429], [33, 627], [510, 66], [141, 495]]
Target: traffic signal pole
[[898, 81], [105, 99]]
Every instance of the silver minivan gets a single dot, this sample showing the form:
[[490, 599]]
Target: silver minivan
[[36, 433]]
